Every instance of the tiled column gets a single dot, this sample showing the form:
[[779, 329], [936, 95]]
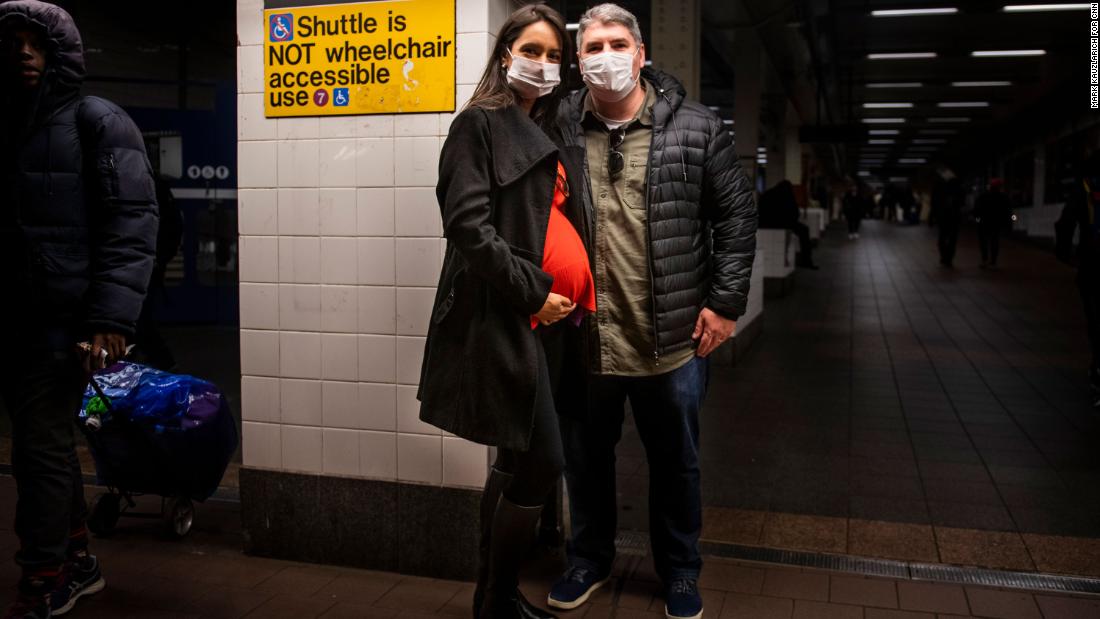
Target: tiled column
[[340, 251]]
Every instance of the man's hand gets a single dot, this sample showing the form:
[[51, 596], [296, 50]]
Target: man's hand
[[113, 343], [554, 309], [711, 330]]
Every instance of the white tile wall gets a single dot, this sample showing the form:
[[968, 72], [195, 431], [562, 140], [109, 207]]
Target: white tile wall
[[258, 212], [300, 354], [378, 407], [339, 260], [300, 259], [377, 310], [417, 212], [375, 208], [341, 451], [300, 402], [299, 212], [251, 123], [416, 161], [374, 162], [378, 455], [376, 261], [408, 413], [299, 163], [256, 164], [339, 356], [302, 449], [377, 358], [418, 262], [340, 252], [339, 309], [299, 307], [259, 306], [259, 353], [338, 212], [339, 161], [263, 445], [410, 354], [414, 310], [420, 458], [260, 399]]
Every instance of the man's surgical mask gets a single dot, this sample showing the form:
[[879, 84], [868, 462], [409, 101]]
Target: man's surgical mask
[[533, 79], [610, 74]]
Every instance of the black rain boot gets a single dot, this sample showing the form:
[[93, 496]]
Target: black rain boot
[[513, 533], [494, 486]]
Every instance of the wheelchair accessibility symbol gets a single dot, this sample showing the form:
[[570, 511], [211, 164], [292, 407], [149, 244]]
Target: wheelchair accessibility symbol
[[281, 27], [340, 97]]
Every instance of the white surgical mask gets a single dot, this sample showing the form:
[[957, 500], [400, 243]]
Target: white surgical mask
[[533, 79], [610, 74]]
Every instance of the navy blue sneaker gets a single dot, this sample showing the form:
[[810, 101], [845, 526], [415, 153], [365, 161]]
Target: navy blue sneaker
[[682, 600], [80, 577], [575, 586]]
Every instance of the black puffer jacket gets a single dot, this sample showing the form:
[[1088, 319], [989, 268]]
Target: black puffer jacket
[[702, 217], [78, 213]]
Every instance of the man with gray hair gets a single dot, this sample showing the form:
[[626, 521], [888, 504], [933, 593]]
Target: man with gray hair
[[672, 222]]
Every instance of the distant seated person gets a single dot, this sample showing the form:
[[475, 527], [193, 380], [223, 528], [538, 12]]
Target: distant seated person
[[778, 210]]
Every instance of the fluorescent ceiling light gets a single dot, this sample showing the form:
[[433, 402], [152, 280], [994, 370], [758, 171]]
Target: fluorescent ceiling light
[[963, 104], [863, 173], [949, 119], [1003, 53], [980, 84], [886, 106], [883, 132], [901, 55], [727, 121], [914, 12], [930, 141], [880, 121], [912, 160], [938, 131], [761, 149], [713, 108], [895, 85], [880, 141], [572, 27], [1031, 8]]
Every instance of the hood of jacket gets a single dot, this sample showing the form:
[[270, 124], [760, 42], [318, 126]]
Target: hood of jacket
[[64, 74]]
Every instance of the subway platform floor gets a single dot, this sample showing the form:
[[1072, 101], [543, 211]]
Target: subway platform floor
[[892, 408], [205, 576]]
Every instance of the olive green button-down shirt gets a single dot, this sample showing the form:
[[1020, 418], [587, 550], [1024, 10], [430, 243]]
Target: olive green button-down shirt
[[626, 339]]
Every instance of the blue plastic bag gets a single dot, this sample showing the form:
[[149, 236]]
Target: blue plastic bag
[[160, 433]]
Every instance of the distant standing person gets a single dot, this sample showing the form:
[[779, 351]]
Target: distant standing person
[[947, 207], [1081, 214], [992, 211], [853, 212]]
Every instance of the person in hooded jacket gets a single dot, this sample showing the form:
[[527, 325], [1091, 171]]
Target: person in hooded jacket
[[78, 223], [515, 283], [1081, 217], [673, 247]]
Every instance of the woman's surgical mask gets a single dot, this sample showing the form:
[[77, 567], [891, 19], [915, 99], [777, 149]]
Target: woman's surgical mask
[[533, 79], [610, 74]]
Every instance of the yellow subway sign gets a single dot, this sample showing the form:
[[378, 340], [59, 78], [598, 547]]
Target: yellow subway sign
[[360, 58]]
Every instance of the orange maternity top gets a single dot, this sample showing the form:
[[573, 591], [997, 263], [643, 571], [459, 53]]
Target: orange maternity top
[[565, 258]]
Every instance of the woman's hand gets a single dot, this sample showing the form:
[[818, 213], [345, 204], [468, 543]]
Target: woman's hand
[[554, 309]]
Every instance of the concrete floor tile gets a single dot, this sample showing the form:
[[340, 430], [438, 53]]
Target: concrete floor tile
[[1064, 555], [983, 548], [797, 585], [876, 592], [998, 604], [932, 598], [890, 540], [1054, 607], [739, 606], [820, 533], [734, 526], [880, 613], [823, 610], [724, 576]]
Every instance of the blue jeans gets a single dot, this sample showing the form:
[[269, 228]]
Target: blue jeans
[[666, 412]]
